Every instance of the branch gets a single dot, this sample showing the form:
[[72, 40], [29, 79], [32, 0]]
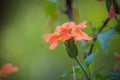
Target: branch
[[95, 37], [70, 15], [69, 9], [84, 71]]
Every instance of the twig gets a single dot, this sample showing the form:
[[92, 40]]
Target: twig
[[74, 75], [70, 15], [93, 30], [82, 69], [69, 9], [95, 37]]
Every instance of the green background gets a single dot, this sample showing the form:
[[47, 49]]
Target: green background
[[22, 42]]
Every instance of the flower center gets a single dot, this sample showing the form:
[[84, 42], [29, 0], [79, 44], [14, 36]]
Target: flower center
[[58, 34], [74, 29]]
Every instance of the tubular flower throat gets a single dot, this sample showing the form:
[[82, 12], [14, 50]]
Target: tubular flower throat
[[65, 32], [78, 34]]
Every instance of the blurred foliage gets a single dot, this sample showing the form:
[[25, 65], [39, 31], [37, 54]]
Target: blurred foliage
[[23, 45], [104, 38]]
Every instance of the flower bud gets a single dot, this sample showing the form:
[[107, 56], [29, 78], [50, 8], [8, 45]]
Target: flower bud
[[71, 48], [111, 13]]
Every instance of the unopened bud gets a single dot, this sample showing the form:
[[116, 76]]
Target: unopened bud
[[71, 48], [111, 13]]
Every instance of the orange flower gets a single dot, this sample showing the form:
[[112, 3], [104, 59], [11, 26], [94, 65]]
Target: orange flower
[[65, 32], [54, 38], [7, 69], [78, 34], [61, 33], [66, 27]]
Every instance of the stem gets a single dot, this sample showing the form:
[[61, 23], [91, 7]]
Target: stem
[[69, 9], [82, 69], [74, 75], [95, 37]]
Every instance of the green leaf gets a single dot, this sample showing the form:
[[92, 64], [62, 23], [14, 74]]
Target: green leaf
[[104, 37], [70, 71], [102, 76], [108, 4], [78, 79], [96, 72], [65, 73], [89, 59], [114, 75], [71, 48], [99, 75]]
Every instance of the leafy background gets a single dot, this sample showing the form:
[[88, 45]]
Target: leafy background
[[22, 42]]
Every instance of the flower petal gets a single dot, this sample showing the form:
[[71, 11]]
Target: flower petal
[[53, 45], [80, 35], [7, 69], [68, 25], [81, 25], [66, 37], [65, 27], [47, 37]]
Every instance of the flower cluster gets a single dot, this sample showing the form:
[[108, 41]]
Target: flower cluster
[[65, 32], [7, 69]]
